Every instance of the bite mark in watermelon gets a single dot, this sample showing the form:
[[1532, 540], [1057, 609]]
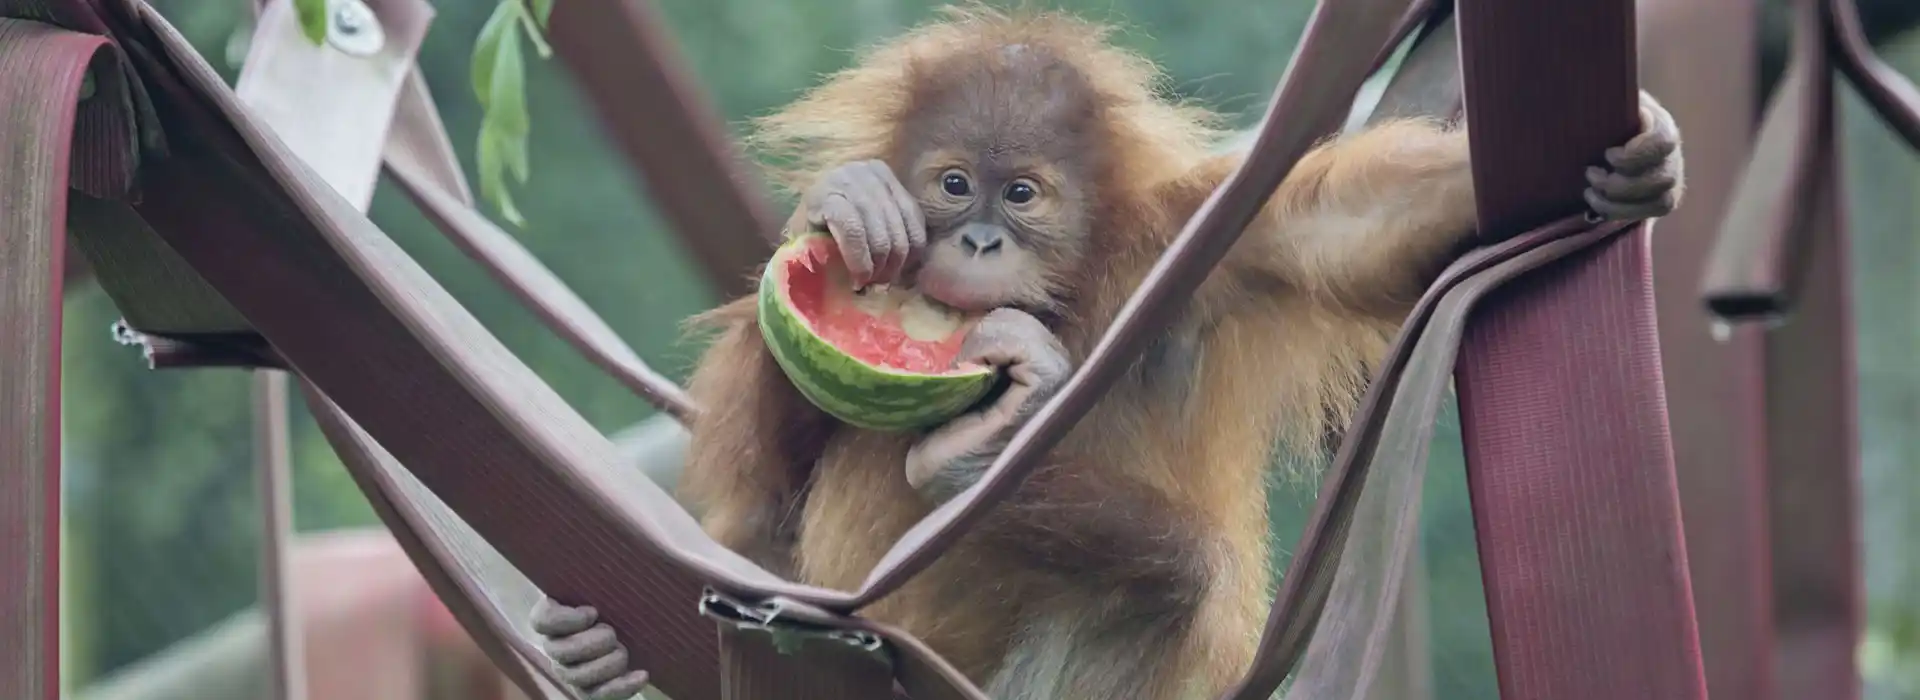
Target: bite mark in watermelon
[[881, 359]]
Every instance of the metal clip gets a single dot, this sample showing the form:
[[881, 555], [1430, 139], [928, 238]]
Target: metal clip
[[789, 624], [354, 29]]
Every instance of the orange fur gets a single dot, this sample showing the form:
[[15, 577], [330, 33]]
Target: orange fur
[[1284, 333]]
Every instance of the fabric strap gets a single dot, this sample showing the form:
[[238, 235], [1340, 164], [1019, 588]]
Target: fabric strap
[[41, 72], [1562, 406]]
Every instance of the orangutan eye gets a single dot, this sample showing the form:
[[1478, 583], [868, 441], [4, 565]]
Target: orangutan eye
[[1021, 192], [955, 183]]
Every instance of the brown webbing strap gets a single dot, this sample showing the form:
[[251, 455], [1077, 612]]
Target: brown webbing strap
[[537, 287], [1781, 257], [1756, 265], [1699, 58], [483, 591], [623, 59], [1427, 82], [41, 70], [419, 141], [1563, 416], [154, 290], [1892, 95], [1415, 22]]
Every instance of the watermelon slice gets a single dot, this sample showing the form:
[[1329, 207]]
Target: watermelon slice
[[881, 358]]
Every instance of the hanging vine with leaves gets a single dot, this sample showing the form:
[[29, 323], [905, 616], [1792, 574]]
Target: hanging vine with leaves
[[499, 75]]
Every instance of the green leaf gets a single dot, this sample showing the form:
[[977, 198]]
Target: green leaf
[[508, 112], [498, 29], [493, 185], [499, 82], [313, 19], [488, 154], [508, 211]]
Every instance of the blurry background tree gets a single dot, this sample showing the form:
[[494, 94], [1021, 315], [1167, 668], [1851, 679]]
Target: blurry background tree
[[162, 523]]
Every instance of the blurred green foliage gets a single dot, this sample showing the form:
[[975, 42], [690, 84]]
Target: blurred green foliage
[[162, 520]]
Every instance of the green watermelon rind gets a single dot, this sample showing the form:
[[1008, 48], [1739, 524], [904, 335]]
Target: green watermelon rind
[[863, 395]]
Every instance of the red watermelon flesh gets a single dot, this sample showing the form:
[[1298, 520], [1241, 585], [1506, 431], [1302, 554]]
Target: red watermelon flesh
[[883, 326]]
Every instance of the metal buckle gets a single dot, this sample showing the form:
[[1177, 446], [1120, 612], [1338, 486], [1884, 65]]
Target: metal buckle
[[789, 624]]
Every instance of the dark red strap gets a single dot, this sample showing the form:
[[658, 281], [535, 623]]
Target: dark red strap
[[1699, 58], [471, 579], [41, 69], [1562, 410]]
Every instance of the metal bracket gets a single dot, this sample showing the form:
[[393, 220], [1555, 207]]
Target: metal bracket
[[788, 623], [200, 350]]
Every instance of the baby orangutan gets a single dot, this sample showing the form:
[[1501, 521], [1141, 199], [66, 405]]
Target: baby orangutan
[[1023, 167]]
